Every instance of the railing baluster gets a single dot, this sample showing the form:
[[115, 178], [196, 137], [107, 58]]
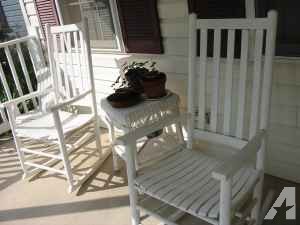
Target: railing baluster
[[15, 76]]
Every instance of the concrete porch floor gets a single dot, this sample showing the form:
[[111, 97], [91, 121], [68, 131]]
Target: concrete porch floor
[[102, 200]]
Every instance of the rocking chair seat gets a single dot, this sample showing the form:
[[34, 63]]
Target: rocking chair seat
[[184, 180], [39, 125]]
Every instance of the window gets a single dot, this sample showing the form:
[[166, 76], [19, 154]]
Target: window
[[101, 17], [137, 19], [215, 9], [288, 36], [288, 32]]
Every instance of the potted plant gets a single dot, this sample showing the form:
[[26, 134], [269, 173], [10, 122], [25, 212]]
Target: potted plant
[[143, 77], [154, 83], [128, 86], [131, 76]]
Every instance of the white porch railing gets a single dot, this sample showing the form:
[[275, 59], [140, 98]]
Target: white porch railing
[[21, 59]]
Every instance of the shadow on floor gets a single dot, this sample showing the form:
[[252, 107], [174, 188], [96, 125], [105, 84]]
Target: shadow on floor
[[10, 171], [63, 209]]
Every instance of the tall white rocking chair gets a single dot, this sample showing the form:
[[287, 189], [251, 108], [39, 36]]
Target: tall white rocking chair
[[204, 182], [66, 114]]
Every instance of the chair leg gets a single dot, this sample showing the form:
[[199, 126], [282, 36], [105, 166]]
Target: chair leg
[[63, 150], [135, 213], [67, 166], [21, 156], [225, 202], [255, 214], [17, 141], [179, 132]]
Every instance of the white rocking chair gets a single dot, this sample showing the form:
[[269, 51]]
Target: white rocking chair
[[66, 114], [218, 190]]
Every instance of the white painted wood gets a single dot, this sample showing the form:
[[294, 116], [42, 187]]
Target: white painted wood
[[228, 82], [25, 71], [225, 202], [14, 74], [219, 139], [257, 23], [216, 80], [43, 167], [256, 82], [63, 149], [4, 83], [242, 84], [192, 71], [92, 85], [57, 70], [65, 65], [238, 160], [202, 79]]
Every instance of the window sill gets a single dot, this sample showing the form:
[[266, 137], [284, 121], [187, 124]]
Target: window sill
[[286, 59]]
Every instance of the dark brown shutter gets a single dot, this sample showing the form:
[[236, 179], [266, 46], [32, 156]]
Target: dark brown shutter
[[216, 9], [47, 13], [140, 26]]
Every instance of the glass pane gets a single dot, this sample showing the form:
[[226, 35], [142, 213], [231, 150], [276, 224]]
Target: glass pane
[[98, 12]]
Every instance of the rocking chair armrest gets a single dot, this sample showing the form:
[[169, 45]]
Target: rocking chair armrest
[[69, 101], [226, 170], [25, 97], [138, 133]]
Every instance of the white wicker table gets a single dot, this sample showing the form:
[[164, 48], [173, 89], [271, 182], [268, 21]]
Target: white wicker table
[[123, 120]]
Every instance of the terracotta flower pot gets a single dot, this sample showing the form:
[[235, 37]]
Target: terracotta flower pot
[[154, 84], [124, 97]]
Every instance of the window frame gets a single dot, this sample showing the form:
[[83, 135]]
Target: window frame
[[117, 26]]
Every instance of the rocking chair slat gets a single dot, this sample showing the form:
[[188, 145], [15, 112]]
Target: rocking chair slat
[[186, 182], [256, 82], [192, 186], [176, 174], [228, 82], [25, 71], [200, 199], [78, 63], [57, 64], [202, 80], [216, 80], [15, 75], [65, 65], [4, 83], [242, 84]]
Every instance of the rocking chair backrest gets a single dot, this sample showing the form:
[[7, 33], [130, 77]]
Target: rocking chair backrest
[[233, 94], [70, 59], [24, 69]]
